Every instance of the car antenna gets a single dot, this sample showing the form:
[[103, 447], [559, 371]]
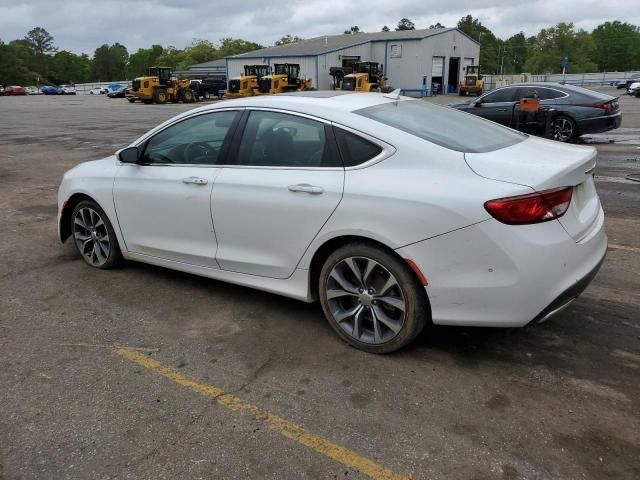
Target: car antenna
[[395, 95]]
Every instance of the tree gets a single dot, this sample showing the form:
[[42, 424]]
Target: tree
[[67, 67], [40, 41], [287, 39], [353, 30], [385, 29], [405, 24], [110, 63], [554, 43], [437, 25], [617, 46], [15, 60], [144, 58], [235, 46], [490, 46]]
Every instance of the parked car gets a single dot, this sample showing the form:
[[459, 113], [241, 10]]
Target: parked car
[[633, 88], [393, 212], [1, 90], [577, 110], [99, 91], [51, 90], [627, 83], [32, 90], [68, 89], [120, 93], [14, 90]]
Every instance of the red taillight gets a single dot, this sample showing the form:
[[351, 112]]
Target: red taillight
[[531, 208]]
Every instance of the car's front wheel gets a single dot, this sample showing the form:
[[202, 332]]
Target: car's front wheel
[[371, 298], [94, 236]]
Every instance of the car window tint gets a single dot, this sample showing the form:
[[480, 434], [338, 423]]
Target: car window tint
[[501, 95], [540, 92], [443, 126], [281, 140], [196, 140], [354, 149]]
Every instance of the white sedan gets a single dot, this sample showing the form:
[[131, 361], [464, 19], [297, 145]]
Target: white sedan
[[98, 91], [393, 212], [633, 88]]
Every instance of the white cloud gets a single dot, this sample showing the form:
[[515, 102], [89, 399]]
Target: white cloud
[[82, 26]]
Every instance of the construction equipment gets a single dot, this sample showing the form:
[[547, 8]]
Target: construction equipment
[[286, 78], [247, 85], [364, 77], [472, 81], [160, 86]]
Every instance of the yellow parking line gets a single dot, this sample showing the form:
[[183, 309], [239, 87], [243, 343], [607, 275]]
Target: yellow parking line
[[624, 247], [284, 427]]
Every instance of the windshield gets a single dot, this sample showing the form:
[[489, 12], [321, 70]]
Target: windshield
[[444, 126]]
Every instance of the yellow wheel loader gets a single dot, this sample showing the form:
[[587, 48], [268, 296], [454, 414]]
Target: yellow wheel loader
[[472, 81], [286, 78], [247, 85], [160, 86], [365, 77]]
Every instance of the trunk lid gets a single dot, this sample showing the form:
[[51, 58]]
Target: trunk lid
[[543, 165]]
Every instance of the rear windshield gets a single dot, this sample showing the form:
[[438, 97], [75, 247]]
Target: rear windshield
[[444, 126]]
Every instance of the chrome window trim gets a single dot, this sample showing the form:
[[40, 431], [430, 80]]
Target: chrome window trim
[[387, 149]]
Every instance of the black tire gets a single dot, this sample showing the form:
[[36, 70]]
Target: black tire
[[407, 289], [131, 100], [564, 129], [187, 96], [462, 93], [160, 96], [93, 234]]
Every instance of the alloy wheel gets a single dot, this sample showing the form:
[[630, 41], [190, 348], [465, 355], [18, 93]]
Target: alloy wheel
[[91, 236], [365, 300], [562, 129]]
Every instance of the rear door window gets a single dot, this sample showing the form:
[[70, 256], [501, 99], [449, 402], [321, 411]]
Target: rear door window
[[354, 149]]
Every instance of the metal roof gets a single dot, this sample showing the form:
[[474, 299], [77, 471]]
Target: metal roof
[[330, 43], [221, 63]]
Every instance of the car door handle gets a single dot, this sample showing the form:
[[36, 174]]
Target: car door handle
[[503, 109], [195, 180], [306, 188]]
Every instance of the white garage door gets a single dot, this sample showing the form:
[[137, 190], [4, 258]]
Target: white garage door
[[437, 66]]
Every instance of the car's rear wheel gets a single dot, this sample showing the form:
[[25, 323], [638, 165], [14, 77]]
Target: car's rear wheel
[[564, 129], [94, 236], [371, 298]]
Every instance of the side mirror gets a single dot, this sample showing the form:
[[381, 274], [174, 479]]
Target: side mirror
[[129, 155]]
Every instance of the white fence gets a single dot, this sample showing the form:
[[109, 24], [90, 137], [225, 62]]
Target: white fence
[[582, 79]]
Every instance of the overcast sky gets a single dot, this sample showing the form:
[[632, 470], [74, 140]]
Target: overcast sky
[[82, 26]]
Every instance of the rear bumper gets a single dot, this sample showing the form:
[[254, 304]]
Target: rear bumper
[[568, 296], [496, 275], [600, 124]]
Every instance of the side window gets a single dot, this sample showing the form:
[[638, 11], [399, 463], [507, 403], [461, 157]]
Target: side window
[[548, 94], [502, 95], [354, 149], [281, 140], [196, 140]]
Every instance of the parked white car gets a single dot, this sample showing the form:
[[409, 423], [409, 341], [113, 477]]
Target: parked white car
[[32, 90], [392, 212], [633, 88], [68, 89], [99, 91]]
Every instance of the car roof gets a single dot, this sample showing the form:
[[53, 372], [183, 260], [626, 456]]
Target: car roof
[[566, 88], [327, 104]]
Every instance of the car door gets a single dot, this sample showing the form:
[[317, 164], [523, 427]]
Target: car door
[[285, 182], [496, 106], [163, 203]]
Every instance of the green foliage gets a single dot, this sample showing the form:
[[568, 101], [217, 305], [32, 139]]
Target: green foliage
[[110, 63], [140, 61], [617, 46], [353, 30], [552, 44], [287, 39], [491, 53], [385, 29], [405, 24]]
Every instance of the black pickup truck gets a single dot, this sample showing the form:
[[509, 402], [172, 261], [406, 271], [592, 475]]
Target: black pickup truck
[[209, 87]]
